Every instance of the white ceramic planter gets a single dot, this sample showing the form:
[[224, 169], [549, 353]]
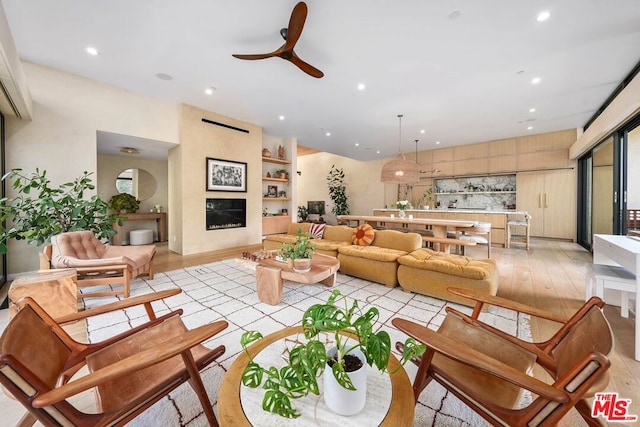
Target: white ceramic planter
[[339, 399], [302, 265]]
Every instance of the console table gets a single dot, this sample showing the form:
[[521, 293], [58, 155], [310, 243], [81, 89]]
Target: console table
[[161, 221]]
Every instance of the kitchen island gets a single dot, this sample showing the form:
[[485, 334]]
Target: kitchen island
[[497, 217]]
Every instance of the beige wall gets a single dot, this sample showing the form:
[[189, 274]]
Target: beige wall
[[198, 141], [625, 106], [362, 180], [61, 138]]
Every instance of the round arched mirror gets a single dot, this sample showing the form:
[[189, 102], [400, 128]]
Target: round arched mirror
[[137, 182]]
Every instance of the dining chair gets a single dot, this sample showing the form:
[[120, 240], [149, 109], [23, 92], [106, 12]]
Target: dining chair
[[489, 369], [130, 371]]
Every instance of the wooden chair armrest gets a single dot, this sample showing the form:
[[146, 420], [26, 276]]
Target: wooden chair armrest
[[146, 299], [144, 359], [462, 353], [483, 298]]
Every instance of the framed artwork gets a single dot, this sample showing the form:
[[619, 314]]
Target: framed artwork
[[272, 191], [225, 175]]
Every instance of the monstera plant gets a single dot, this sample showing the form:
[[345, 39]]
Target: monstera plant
[[40, 211]]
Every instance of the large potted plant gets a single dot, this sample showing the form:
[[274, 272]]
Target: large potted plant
[[353, 333], [337, 191], [124, 202], [299, 252], [40, 211]]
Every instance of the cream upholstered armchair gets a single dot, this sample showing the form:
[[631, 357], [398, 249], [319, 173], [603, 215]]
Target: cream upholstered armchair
[[97, 263]]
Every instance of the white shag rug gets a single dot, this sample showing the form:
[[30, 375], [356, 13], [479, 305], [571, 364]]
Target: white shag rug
[[226, 290]]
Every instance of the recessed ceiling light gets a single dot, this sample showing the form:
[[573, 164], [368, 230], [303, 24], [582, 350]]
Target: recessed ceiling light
[[280, 117], [328, 133], [437, 142], [209, 90], [543, 16], [164, 76], [532, 110], [361, 86], [129, 150], [377, 151], [92, 51], [529, 127], [422, 131], [357, 144], [535, 80]]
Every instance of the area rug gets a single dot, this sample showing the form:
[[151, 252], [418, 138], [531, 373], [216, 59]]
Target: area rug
[[226, 290]]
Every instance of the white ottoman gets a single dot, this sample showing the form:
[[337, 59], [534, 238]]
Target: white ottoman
[[140, 237]]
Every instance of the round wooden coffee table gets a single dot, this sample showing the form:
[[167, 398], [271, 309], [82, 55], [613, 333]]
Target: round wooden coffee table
[[231, 412]]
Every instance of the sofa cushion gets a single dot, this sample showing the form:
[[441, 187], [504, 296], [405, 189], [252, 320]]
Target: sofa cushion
[[363, 235], [455, 265], [371, 252], [317, 230]]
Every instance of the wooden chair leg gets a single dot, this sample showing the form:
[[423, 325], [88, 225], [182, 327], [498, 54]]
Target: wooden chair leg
[[196, 383], [127, 280]]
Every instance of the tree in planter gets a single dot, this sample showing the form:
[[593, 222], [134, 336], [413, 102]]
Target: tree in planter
[[39, 211], [337, 191]]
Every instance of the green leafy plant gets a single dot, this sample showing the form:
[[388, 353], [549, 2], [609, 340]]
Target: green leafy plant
[[124, 202], [278, 173], [302, 248], [337, 191], [303, 212], [40, 211], [308, 360], [426, 198]]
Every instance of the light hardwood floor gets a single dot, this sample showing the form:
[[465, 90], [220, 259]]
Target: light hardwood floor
[[549, 276]]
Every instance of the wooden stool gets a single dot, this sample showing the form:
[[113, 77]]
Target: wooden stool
[[519, 223], [54, 290], [600, 277]]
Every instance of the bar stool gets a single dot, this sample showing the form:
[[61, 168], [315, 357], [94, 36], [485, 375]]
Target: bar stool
[[519, 223], [600, 277]]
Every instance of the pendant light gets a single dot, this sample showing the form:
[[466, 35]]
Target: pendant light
[[399, 170]]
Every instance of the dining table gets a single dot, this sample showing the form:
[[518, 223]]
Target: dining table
[[438, 227]]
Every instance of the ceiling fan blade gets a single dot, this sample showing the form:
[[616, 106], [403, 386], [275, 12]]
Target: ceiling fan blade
[[255, 56], [296, 24], [307, 68]]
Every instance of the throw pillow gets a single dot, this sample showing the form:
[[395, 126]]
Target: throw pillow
[[363, 236], [317, 230]]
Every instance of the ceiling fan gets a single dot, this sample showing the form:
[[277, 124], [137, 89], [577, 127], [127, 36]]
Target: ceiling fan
[[291, 34]]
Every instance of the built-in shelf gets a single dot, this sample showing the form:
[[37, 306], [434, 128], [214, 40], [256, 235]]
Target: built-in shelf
[[264, 178], [479, 192], [277, 161], [276, 199]]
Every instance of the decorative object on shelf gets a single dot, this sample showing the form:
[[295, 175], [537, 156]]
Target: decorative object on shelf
[[124, 203], [226, 175], [282, 193], [158, 208], [352, 331], [52, 211], [268, 174], [266, 152], [265, 211], [281, 173], [337, 191], [280, 152], [399, 170], [272, 191], [284, 212]]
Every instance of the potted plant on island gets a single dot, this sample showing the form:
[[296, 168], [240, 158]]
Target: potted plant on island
[[299, 252], [353, 337], [124, 202]]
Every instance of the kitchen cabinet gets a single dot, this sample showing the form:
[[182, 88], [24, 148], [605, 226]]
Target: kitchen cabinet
[[550, 198]]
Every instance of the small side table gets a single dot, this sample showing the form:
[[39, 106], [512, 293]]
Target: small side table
[[55, 291]]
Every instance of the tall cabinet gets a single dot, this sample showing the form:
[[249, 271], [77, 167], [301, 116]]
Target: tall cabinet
[[550, 198]]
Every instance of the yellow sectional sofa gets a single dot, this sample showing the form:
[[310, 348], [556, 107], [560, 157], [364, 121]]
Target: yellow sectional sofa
[[430, 273], [377, 262]]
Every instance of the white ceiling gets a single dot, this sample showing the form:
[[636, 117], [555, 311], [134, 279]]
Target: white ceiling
[[459, 69]]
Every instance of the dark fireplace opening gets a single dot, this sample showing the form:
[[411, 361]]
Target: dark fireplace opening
[[226, 213]]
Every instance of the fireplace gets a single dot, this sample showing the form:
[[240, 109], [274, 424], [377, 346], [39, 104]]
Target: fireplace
[[226, 213]]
